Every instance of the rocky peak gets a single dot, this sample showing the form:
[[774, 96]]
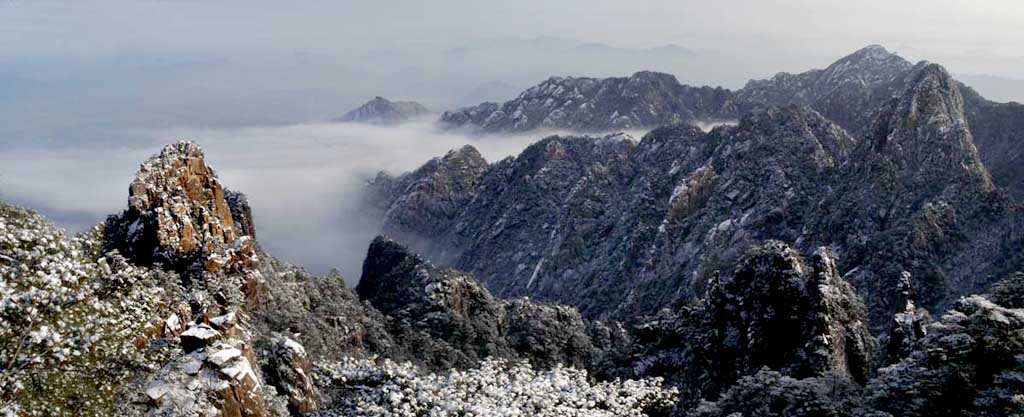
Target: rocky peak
[[780, 311], [402, 284], [924, 132], [871, 64], [421, 199], [846, 92], [179, 214], [380, 110]]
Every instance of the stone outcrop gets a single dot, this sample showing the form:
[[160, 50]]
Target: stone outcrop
[[291, 372], [233, 297], [178, 215]]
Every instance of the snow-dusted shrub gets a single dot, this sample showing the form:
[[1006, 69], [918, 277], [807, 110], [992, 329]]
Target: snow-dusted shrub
[[770, 393], [69, 318], [496, 388], [970, 363]]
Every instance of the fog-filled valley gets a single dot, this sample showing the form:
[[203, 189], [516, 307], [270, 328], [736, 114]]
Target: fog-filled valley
[[304, 181]]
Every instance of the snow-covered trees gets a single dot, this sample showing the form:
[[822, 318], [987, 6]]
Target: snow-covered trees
[[69, 318], [970, 363], [496, 388]]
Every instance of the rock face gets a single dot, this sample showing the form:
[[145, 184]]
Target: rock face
[[787, 314], [968, 364], [850, 91], [644, 100], [619, 228], [845, 92], [385, 112], [291, 372], [777, 311], [177, 211], [444, 318]]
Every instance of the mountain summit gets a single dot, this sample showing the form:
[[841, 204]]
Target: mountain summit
[[386, 112], [645, 99]]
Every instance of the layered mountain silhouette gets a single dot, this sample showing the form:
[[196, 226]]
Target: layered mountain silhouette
[[873, 156], [848, 92], [641, 100]]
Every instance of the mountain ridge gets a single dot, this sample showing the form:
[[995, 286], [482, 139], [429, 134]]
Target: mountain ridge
[[380, 110]]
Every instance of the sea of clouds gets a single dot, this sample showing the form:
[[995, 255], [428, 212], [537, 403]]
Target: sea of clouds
[[303, 181]]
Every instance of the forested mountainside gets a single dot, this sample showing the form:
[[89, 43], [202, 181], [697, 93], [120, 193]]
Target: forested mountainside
[[172, 309], [619, 227]]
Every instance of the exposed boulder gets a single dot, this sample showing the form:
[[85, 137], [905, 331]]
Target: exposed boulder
[[291, 372], [199, 336], [217, 380]]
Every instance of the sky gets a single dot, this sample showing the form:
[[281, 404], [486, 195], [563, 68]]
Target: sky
[[69, 69], [89, 88]]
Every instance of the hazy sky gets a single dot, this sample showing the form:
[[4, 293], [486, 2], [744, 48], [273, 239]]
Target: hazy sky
[[69, 68], [990, 28]]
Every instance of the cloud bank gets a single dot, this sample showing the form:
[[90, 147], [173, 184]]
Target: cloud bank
[[303, 181]]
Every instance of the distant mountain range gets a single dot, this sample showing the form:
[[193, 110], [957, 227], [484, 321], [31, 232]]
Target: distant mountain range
[[848, 92], [642, 100], [897, 165]]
